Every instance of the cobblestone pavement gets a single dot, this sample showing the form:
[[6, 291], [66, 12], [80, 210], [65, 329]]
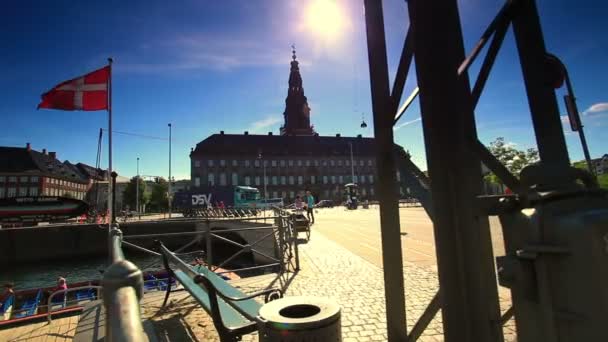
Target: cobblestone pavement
[[327, 270]]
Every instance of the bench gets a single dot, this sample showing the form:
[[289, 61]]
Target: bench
[[29, 307], [234, 313]]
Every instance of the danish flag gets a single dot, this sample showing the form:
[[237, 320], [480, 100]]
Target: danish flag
[[88, 92]]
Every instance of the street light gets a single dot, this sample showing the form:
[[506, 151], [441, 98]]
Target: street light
[[169, 194], [137, 190], [263, 168]]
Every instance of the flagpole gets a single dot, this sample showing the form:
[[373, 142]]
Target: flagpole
[[110, 204]]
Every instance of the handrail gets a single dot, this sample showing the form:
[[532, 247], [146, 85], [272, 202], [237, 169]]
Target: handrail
[[122, 288], [65, 292]]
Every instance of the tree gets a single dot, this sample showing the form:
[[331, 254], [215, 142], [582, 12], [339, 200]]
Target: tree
[[602, 179], [158, 197], [515, 160], [128, 195]]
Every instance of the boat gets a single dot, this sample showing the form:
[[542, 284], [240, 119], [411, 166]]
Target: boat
[[40, 209]]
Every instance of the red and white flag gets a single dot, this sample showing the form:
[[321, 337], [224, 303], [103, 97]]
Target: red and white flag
[[88, 92]]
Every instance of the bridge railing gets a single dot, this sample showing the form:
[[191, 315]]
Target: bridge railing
[[122, 289]]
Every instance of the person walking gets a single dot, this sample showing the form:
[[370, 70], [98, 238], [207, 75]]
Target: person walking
[[310, 204]]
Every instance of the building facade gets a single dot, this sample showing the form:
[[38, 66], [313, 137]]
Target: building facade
[[285, 165], [26, 172]]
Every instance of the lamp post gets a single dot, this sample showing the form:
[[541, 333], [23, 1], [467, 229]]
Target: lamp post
[[169, 194], [264, 170], [137, 190], [352, 164]]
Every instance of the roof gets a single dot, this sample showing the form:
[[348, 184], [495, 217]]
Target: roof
[[251, 144], [24, 160]]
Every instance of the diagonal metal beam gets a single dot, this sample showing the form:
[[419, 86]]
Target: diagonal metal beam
[[404, 66], [406, 104], [426, 318]]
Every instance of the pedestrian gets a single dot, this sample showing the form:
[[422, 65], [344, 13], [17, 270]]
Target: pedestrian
[[61, 285], [310, 204], [299, 205], [8, 291]]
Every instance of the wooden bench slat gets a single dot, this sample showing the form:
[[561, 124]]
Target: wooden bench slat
[[230, 317]]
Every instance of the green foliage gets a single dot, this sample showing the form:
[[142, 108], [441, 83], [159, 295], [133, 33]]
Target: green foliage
[[158, 197], [601, 179], [515, 160], [128, 195]]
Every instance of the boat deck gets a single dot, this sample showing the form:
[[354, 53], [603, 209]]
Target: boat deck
[[61, 329]]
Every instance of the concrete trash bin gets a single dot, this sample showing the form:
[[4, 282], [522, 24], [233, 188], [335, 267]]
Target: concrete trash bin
[[300, 319]]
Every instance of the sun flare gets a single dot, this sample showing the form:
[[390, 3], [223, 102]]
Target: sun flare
[[325, 19]]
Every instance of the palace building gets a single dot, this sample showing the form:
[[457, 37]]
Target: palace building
[[298, 159]]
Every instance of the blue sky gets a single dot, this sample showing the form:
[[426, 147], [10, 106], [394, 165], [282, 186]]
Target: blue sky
[[207, 66]]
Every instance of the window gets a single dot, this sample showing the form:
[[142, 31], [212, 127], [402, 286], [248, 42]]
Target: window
[[266, 180], [22, 191], [316, 163], [371, 179], [324, 179], [283, 194], [299, 163], [282, 163], [247, 163], [23, 179], [256, 163], [369, 162], [364, 192], [197, 181], [324, 162], [291, 163], [2, 192], [312, 179], [361, 162], [34, 179], [33, 191], [398, 176], [308, 163], [347, 162], [326, 193], [222, 162], [235, 163], [362, 179], [292, 194], [291, 180], [247, 180], [210, 162], [211, 179], [341, 179], [197, 163], [235, 178], [275, 194], [12, 179], [355, 179], [2, 179], [333, 179], [340, 162], [273, 163], [283, 181], [223, 179], [275, 181], [332, 163], [300, 180], [257, 180]]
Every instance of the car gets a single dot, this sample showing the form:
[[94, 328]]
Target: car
[[325, 204]]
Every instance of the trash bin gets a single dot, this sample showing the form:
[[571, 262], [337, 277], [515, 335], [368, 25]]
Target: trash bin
[[300, 319]]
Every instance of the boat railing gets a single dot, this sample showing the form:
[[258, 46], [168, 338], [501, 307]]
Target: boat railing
[[122, 289], [66, 303]]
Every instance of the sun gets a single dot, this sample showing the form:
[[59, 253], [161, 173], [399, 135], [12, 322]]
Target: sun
[[325, 19]]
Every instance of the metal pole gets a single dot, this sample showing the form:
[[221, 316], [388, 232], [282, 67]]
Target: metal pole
[[469, 294], [352, 164], [110, 190], [384, 111], [169, 194], [137, 191]]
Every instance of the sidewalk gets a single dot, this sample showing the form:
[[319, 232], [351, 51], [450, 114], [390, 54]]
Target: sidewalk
[[329, 270]]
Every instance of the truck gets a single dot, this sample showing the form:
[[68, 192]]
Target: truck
[[233, 197]]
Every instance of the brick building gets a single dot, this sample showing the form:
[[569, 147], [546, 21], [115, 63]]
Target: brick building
[[26, 172], [296, 160]]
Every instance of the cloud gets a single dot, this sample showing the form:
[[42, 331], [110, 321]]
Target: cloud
[[407, 123], [260, 125], [597, 108], [565, 119]]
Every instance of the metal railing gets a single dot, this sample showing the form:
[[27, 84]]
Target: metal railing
[[65, 303], [122, 289]]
